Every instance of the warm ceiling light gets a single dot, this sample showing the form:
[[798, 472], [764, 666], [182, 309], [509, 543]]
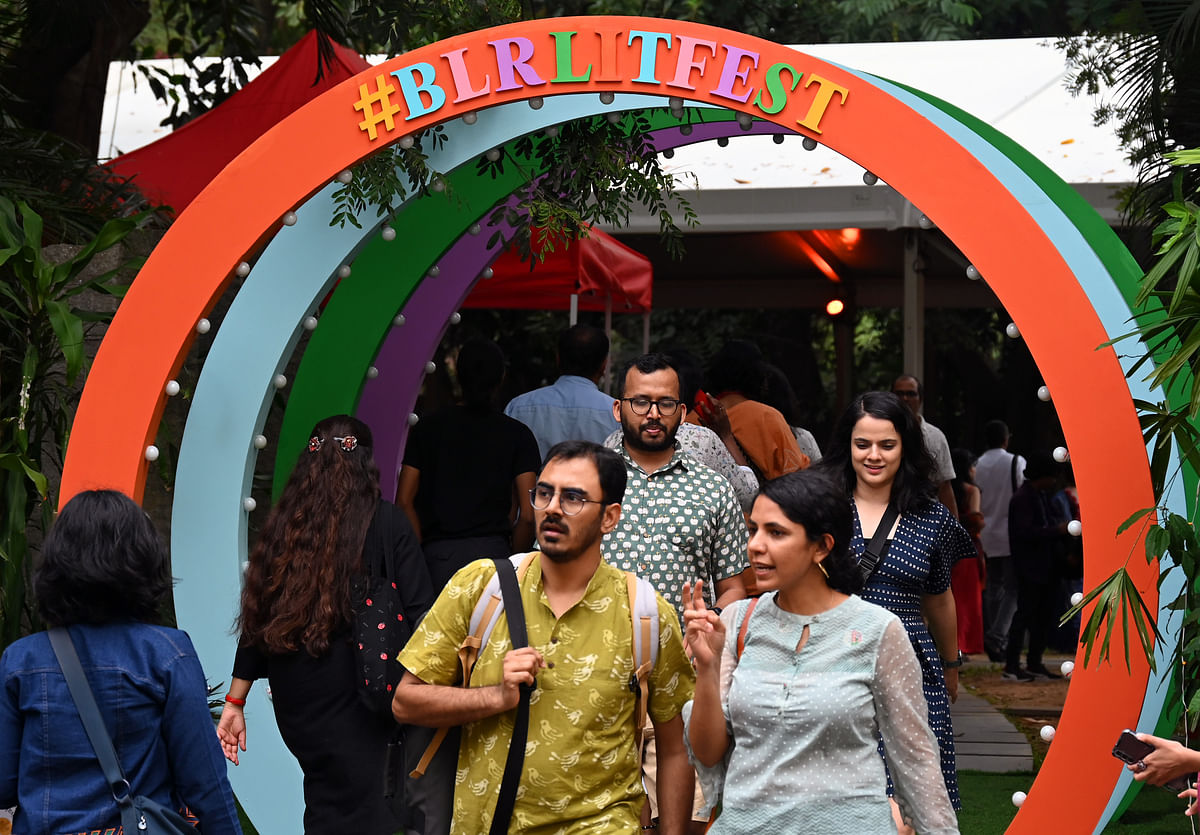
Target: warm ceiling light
[[835, 306], [850, 236]]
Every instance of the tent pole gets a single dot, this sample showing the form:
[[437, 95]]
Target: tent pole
[[574, 320], [914, 305], [606, 382]]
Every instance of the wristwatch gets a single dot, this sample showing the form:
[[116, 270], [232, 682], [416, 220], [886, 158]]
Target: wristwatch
[[950, 665]]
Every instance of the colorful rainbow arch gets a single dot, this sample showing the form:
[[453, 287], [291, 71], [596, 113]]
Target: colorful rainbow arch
[[1060, 272]]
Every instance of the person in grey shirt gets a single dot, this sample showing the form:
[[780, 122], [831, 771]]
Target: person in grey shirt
[[998, 474]]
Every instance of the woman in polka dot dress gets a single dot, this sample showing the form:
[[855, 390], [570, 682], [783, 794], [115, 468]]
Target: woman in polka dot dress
[[793, 689], [878, 457]]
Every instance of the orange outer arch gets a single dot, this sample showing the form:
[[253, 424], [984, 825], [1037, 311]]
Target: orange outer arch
[[122, 403]]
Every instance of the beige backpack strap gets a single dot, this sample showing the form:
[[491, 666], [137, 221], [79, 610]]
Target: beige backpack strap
[[468, 654], [640, 639]]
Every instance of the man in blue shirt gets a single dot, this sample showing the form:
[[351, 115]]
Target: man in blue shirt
[[573, 408]]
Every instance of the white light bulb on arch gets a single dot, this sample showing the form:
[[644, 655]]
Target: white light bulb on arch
[[399, 320], [1043, 394], [972, 272], [1018, 799], [388, 233], [310, 323], [1047, 733], [455, 318], [289, 219], [372, 372], [243, 270], [260, 442], [1061, 455], [203, 326], [1012, 330], [345, 176], [1075, 527], [412, 419], [248, 504], [151, 453], [430, 367], [343, 271], [171, 388], [279, 381]]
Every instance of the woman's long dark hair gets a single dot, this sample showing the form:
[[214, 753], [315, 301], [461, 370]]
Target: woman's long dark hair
[[297, 586], [913, 488], [809, 499]]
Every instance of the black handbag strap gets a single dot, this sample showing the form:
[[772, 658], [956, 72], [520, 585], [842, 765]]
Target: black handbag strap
[[870, 558], [85, 703], [377, 550], [514, 613], [1013, 473]]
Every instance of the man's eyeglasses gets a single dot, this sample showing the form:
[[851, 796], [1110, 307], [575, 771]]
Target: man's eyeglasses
[[641, 405], [570, 502]]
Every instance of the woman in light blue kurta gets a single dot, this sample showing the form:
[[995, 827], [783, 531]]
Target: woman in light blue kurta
[[793, 690]]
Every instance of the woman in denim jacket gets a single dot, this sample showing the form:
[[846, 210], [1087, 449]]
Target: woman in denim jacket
[[104, 575]]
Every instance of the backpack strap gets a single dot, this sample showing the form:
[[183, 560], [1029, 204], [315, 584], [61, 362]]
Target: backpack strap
[[514, 610], [488, 609], [643, 613], [745, 627]]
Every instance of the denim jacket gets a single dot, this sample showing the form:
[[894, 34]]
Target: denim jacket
[[151, 691]]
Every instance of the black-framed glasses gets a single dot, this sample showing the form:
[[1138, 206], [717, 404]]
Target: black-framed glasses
[[641, 405], [570, 502]]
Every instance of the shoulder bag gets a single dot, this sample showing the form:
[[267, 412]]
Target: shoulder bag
[[139, 814]]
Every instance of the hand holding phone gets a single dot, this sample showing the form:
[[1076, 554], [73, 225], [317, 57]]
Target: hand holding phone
[[1133, 751]]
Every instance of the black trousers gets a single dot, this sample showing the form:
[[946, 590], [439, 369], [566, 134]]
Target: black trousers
[[1035, 616]]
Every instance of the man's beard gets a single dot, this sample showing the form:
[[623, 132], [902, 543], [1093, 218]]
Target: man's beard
[[560, 553], [633, 434]]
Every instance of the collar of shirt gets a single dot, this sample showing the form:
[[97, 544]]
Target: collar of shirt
[[575, 380], [678, 462]]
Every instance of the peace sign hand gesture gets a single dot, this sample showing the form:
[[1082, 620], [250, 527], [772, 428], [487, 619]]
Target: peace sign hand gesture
[[704, 633]]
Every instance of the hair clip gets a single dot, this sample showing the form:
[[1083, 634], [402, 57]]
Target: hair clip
[[315, 443], [348, 443]]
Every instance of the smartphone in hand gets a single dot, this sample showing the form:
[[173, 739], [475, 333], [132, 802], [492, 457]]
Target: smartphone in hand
[[1131, 750]]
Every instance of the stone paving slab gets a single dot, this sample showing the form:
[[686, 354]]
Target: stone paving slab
[[985, 740]]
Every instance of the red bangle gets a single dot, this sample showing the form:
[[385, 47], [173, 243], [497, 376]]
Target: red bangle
[[233, 701]]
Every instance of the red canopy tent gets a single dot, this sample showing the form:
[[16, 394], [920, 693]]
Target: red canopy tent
[[594, 273], [173, 170]]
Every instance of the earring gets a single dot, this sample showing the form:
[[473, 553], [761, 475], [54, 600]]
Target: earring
[[821, 565]]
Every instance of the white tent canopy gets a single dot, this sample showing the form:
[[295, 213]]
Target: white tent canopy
[[1018, 86]]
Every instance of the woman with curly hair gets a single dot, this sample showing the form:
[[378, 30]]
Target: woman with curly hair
[[794, 688], [327, 530], [878, 460], [104, 576]]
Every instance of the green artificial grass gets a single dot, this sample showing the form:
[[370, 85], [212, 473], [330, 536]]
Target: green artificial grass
[[988, 810]]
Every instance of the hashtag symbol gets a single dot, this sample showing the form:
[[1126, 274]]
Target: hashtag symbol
[[367, 102]]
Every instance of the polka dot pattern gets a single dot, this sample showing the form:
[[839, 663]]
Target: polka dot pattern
[[805, 726], [918, 561]]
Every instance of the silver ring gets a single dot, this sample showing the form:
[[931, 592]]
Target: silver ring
[[1141, 766]]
